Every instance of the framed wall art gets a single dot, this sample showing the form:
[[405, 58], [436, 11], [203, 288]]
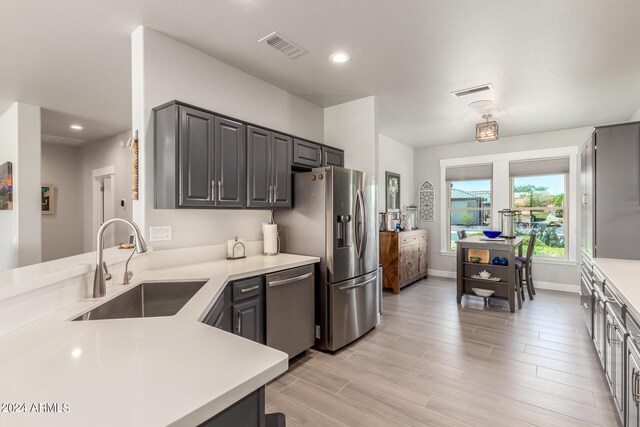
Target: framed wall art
[[48, 198], [6, 186], [392, 191]]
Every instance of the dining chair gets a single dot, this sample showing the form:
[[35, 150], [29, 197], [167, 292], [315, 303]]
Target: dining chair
[[462, 234], [523, 267]]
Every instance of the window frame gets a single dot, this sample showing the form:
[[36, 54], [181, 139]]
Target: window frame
[[565, 212], [450, 209]]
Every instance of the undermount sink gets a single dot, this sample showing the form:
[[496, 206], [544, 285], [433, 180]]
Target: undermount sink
[[147, 299]]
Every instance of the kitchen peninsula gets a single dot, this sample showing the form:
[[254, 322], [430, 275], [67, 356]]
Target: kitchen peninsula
[[172, 370]]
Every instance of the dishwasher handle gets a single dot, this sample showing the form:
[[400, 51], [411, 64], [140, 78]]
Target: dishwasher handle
[[287, 281]]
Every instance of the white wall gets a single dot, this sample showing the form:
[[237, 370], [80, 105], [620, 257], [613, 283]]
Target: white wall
[[394, 156], [62, 231], [164, 69], [427, 166], [111, 151], [20, 228], [9, 218], [635, 116], [352, 126]]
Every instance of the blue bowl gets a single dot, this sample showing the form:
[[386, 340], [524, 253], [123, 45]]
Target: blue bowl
[[492, 234]]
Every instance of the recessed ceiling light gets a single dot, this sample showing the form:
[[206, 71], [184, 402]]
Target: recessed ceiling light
[[340, 57], [76, 127]]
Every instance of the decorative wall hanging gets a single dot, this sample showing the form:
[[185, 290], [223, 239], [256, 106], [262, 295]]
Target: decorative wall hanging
[[48, 197], [392, 191], [427, 200], [133, 145], [6, 186]]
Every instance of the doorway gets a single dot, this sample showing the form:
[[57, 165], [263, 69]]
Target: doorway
[[104, 203]]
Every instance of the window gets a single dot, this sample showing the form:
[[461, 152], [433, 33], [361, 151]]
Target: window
[[469, 208], [542, 201]]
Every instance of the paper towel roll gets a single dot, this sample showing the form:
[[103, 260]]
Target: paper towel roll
[[270, 238]]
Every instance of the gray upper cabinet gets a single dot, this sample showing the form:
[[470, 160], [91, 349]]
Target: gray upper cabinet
[[196, 158], [206, 160], [230, 165], [200, 159], [269, 169], [307, 153], [258, 168], [281, 170], [611, 214], [332, 157]]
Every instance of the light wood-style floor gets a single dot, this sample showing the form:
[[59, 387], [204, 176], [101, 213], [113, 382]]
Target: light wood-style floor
[[431, 363]]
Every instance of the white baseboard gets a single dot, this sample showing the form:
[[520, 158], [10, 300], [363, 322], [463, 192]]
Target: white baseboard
[[442, 273], [562, 287]]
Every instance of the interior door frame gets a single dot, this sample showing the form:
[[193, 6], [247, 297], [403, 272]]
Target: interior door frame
[[96, 176]]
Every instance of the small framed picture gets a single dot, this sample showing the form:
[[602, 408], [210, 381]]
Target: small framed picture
[[48, 199], [6, 187]]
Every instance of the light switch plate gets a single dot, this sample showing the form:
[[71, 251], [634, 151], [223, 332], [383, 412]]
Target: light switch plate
[[159, 233]]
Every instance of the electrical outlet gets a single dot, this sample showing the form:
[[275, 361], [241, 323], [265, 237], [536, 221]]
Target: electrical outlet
[[159, 233]]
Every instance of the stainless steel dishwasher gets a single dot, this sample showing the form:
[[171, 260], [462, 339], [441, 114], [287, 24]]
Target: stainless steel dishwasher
[[290, 310]]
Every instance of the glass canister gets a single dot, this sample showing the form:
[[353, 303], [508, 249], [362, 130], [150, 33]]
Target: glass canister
[[412, 217], [508, 220]]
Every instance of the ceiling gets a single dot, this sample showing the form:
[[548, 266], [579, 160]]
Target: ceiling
[[554, 65]]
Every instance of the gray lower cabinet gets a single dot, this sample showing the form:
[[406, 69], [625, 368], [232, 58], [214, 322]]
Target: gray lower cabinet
[[247, 412], [269, 169], [240, 309], [614, 333], [247, 320], [218, 317], [615, 357], [200, 159], [632, 389], [332, 157]]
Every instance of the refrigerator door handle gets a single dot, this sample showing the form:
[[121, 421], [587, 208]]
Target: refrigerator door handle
[[357, 285], [361, 228]]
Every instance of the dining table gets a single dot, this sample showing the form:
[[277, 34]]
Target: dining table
[[503, 278]]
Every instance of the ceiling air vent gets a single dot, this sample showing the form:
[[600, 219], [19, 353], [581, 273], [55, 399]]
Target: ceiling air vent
[[472, 90], [284, 45]]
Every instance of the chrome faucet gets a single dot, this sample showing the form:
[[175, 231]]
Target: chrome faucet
[[99, 288]]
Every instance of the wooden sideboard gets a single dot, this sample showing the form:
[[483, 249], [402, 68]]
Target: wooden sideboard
[[403, 256]]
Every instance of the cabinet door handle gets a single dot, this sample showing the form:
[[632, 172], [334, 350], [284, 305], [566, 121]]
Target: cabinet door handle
[[253, 288], [239, 328], [213, 190], [219, 191], [634, 374], [275, 193], [270, 194]]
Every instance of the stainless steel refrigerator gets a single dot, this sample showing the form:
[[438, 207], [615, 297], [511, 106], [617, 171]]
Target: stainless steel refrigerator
[[334, 218]]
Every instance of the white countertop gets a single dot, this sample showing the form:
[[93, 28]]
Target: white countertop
[[138, 372], [624, 274]]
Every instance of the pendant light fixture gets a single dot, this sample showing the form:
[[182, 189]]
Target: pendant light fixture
[[487, 131]]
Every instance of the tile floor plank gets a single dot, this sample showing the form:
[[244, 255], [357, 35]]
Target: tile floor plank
[[432, 362]]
